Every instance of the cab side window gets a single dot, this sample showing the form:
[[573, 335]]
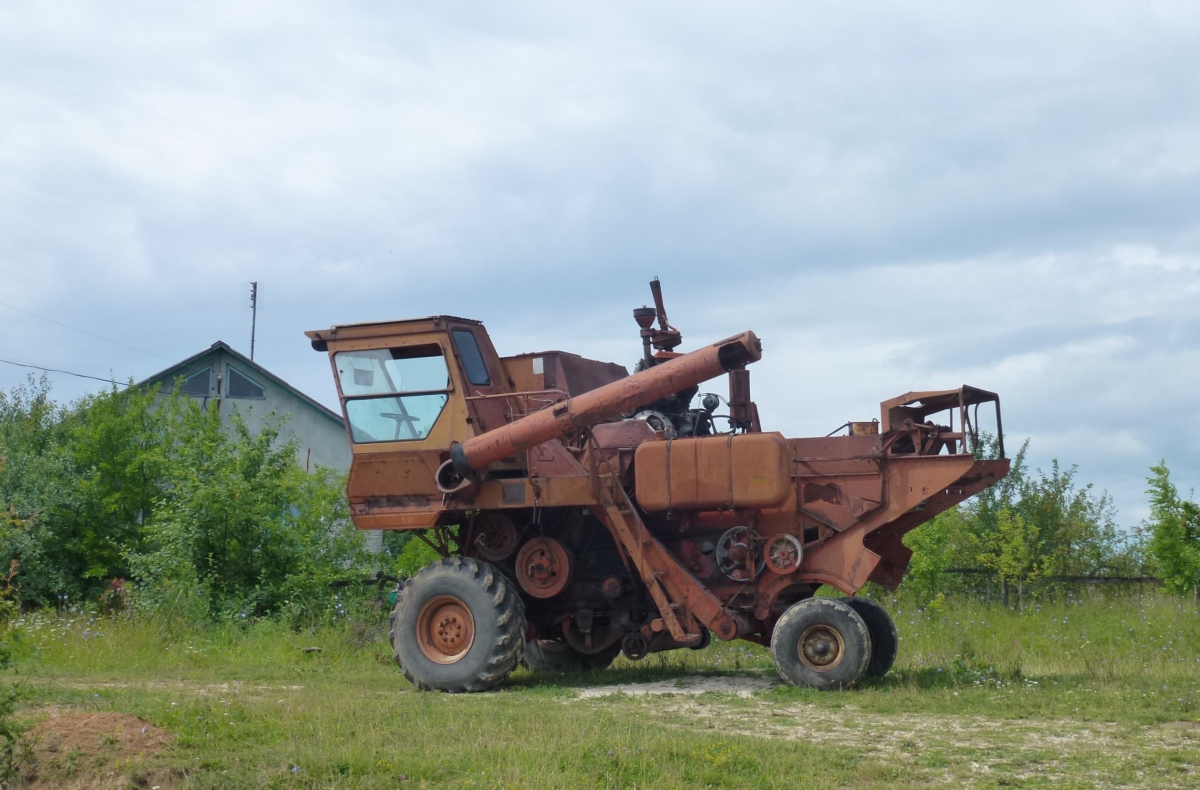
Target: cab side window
[[468, 351]]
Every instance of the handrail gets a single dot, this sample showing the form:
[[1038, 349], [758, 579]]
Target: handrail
[[523, 393], [552, 396]]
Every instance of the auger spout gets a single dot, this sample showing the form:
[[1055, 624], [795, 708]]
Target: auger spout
[[605, 403]]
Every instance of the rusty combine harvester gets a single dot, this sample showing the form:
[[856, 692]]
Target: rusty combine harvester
[[584, 512]]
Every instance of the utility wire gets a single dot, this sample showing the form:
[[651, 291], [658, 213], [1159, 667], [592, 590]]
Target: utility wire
[[56, 370], [82, 332]]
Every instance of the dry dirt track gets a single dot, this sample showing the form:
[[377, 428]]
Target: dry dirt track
[[1089, 753]]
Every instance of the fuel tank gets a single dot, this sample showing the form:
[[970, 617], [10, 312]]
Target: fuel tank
[[727, 472]]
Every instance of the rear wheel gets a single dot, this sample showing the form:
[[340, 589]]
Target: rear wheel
[[459, 625], [821, 642], [885, 642], [551, 655]]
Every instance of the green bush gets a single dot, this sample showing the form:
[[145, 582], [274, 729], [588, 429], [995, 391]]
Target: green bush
[[1174, 533], [415, 555], [243, 531], [1027, 527], [10, 731], [207, 519]]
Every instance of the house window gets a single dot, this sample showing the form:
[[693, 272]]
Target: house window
[[198, 385], [242, 386], [393, 395], [472, 360]]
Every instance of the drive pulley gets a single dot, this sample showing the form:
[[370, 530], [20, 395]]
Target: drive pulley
[[543, 567]]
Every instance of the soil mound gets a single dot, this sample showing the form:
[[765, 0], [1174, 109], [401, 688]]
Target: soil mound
[[93, 751]]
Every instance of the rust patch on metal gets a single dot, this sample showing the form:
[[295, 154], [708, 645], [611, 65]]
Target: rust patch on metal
[[389, 501], [822, 492]]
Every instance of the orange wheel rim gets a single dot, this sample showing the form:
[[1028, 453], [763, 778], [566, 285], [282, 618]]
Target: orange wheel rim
[[821, 648], [445, 629]]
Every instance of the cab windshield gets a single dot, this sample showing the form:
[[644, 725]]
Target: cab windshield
[[393, 394]]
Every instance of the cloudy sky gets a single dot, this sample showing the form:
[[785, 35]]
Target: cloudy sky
[[895, 196]]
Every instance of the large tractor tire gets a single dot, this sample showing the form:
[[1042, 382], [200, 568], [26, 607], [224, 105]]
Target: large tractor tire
[[551, 655], [459, 625], [821, 642], [885, 642]]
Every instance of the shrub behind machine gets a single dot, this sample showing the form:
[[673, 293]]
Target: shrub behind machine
[[584, 512]]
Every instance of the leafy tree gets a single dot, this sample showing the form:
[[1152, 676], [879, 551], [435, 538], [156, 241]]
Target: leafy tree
[[1174, 533], [117, 447], [36, 487], [80, 482], [1077, 529], [935, 545], [1027, 527], [1014, 551]]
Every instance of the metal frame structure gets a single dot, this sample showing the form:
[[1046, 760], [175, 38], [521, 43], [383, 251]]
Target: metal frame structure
[[559, 449]]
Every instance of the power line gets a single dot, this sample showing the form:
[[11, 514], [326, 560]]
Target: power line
[[82, 332], [56, 370]]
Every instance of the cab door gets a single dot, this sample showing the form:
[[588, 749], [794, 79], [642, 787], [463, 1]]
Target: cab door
[[404, 407], [485, 383]]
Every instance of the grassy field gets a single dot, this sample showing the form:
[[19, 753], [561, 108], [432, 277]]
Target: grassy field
[[1093, 693]]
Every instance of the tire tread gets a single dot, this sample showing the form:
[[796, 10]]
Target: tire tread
[[508, 614], [788, 665]]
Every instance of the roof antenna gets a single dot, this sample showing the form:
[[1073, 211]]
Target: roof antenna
[[253, 315]]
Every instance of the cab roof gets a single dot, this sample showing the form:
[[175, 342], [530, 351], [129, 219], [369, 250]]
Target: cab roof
[[405, 326]]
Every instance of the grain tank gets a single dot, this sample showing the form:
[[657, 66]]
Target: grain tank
[[583, 512]]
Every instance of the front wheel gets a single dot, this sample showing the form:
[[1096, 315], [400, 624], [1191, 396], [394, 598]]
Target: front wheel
[[459, 625], [821, 642]]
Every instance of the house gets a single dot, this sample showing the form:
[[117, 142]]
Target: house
[[225, 379]]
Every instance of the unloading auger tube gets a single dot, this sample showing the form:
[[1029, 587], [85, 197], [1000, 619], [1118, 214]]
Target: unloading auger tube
[[469, 458]]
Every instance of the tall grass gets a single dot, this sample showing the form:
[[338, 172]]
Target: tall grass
[[251, 707], [1105, 640]]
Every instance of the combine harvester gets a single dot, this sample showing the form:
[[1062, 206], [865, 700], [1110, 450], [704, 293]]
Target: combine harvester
[[583, 512]]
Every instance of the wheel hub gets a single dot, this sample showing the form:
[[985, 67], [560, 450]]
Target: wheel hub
[[445, 629], [821, 648]]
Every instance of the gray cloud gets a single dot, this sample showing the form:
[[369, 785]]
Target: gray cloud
[[895, 196]]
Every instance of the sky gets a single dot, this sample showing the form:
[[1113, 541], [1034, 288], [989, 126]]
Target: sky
[[894, 196]]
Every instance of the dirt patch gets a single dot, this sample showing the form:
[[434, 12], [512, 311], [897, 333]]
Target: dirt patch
[[691, 686], [1057, 749], [177, 686], [81, 750]]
